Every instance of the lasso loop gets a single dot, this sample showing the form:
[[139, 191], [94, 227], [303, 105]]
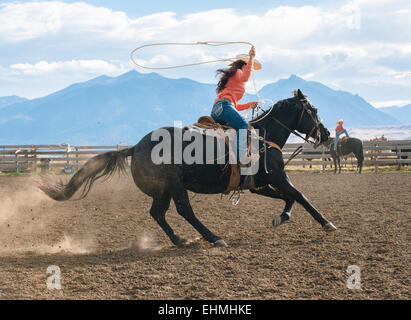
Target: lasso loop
[[206, 43], [259, 108]]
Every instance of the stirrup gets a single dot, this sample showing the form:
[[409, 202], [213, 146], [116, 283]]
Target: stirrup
[[236, 196], [254, 158]]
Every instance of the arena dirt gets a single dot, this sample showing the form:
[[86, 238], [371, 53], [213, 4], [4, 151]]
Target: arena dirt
[[108, 247]]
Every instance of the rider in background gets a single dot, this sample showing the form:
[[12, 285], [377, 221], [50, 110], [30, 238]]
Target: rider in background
[[230, 89], [339, 130]]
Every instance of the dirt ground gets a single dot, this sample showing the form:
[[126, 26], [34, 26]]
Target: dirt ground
[[108, 247]]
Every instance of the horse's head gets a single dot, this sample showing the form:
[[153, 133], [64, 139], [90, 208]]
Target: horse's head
[[309, 122]]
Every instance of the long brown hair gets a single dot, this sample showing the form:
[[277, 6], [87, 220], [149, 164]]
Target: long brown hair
[[226, 74]]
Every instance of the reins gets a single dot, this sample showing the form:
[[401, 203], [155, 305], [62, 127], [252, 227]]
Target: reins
[[298, 150], [292, 131], [294, 154], [287, 128]]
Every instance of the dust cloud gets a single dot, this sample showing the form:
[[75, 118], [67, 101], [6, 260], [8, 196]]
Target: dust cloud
[[12, 205], [18, 236]]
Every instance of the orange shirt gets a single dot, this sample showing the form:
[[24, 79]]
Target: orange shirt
[[339, 127], [235, 88]]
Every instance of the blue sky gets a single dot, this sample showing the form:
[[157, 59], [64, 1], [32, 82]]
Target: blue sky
[[361, 46]]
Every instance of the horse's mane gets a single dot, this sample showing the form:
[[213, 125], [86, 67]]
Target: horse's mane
[[279, 106]]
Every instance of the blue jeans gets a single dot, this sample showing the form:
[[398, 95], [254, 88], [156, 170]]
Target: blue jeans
[[337, 136], [224, 112]]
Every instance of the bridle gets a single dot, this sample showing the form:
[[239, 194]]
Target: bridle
[[316, 125]]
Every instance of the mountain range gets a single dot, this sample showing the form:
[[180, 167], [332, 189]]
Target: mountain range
[[402, 114], [9, 100], [121, 110], [332, 104]]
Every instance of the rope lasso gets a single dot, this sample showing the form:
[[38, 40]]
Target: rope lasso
[[255, 113], [205, 43]]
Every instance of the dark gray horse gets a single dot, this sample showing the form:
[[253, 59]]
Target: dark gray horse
[[164, 182], [346, 146]]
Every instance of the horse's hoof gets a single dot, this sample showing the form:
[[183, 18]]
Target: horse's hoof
[[220, 243], [329, 227], [180, 242], [277, 221]]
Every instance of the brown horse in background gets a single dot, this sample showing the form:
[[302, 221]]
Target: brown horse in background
[[346, 146]]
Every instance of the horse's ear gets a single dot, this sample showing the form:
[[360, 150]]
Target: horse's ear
[[300, 94]]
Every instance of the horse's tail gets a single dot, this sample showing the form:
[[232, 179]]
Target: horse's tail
[[102, 165]]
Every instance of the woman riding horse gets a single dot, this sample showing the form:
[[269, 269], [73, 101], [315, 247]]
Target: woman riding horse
[[339, 130], [231, 89], [166, 181]]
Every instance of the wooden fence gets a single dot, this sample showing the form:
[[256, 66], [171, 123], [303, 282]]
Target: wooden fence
[[376, 153], [20, 158]]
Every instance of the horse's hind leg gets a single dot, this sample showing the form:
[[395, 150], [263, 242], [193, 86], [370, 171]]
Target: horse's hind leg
[[268, 191], [182, 202], [158, 212]]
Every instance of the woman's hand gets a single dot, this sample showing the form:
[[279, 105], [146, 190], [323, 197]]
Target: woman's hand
[[254, 105], [252, 52]]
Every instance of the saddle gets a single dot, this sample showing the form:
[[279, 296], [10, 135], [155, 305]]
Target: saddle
[[340, 141], [206, 122]]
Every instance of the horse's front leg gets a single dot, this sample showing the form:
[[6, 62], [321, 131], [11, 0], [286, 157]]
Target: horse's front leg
[[280, 180], [269, 191]]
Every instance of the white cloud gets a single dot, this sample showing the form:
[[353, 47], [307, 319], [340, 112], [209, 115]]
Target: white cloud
[[358, 43], [390, 103], [87, 66], [25, 21]]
